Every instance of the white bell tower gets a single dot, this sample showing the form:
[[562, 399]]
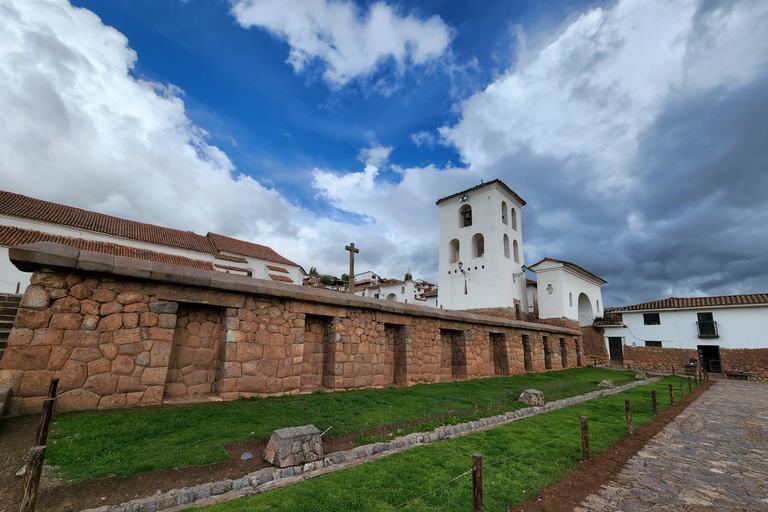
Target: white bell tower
[[481, 249]]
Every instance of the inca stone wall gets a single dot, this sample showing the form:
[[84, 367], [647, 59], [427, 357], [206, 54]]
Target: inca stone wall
[[120, 332]]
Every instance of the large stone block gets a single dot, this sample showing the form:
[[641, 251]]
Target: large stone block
[[102, 384], [32, 319], [531, 397], [77, 400], [72, 375], [35, 383], [294, 446], [59, 356], [35, 297], [80, 338], [25, 358], [66, 320], [21, 337]]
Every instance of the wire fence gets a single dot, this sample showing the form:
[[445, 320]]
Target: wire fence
[[603, 421]]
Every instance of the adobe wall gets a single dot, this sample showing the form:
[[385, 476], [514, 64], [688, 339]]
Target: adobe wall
[[663, 359], [119, 332]]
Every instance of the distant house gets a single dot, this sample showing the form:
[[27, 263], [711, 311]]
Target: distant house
[[724, 332], [25, 220], [411, 291]]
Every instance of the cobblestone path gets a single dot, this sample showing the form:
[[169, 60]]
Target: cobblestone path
[[713, 457]]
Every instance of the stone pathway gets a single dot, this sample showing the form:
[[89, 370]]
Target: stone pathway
[[712, 457]]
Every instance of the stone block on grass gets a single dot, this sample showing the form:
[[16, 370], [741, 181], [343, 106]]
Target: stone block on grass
[[531, 397], [294, 446], [607, 383]]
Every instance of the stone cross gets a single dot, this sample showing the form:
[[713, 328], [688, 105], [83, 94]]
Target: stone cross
[[351, 280]]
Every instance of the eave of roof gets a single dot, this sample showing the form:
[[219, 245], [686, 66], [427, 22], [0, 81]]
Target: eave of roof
[[24, 207], [12, 236], [572, 266], [482, 185], [698, 302]]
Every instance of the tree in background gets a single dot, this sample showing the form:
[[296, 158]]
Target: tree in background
[[408, 277], [327, 280], [313, 271]]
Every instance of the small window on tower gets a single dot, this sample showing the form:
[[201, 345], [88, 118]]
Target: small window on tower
[[465, 216]]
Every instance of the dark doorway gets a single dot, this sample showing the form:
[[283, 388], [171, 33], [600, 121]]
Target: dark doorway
[[527, 353], [547, 353], [499, 354], [709, 357], [564, 353], [615, 346]]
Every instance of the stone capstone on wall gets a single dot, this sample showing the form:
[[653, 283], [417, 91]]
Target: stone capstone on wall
[[294, 446]]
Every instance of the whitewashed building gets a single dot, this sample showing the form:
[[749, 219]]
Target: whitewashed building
[[481, 249], [565, 290], [26, 220], [408, 291], [706, 326]]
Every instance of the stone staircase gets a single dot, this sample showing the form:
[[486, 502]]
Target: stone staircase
[[9, 306]]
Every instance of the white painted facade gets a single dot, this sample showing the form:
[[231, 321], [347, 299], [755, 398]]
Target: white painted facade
[[738, 326], [10, 276], [566, 291], [399, 291], [474, 275]]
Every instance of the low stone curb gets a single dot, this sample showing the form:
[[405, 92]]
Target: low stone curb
[[272, 478]]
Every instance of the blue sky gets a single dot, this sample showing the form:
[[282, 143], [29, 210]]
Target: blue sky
[[635, 129]]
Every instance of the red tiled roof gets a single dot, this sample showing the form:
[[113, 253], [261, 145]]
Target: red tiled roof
[[569, 264], [276, 269], [12, 236], [430, 293], [277, 277], [501, 183], [698, 302], [227, 244], [16, 205]]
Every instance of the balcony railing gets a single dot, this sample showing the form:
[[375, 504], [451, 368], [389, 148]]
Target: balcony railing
[[707, 329]]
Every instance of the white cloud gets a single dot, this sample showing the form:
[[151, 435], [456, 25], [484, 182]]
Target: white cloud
[[351, 44], [423, 139], [376, 155], [590, 93]]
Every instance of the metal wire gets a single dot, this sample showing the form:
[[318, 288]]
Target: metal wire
[[431, 492]]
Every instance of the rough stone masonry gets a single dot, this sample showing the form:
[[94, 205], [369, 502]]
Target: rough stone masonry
[[124, 332]]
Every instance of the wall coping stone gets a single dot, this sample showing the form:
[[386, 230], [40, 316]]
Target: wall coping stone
[[268, 479], [38, 255]]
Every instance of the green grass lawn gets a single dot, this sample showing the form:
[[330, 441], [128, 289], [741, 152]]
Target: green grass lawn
[[508, 478], [124, 443]]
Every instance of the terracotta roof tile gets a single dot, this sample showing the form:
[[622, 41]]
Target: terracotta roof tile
[[277, 269], [501, 183], [16, 205], [12, 236], [698, 302], [430, 293], [277, 277], [227, 244]]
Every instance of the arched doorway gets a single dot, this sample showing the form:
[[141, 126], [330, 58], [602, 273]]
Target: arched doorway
[[391, 296], [585, 310]]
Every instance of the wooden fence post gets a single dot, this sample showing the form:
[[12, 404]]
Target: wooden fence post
[[32, 478], [655, 403], [628, 411], [584, 438], [682, 390], [671, 395], [689, 386], [45, 421], [477, 481]]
